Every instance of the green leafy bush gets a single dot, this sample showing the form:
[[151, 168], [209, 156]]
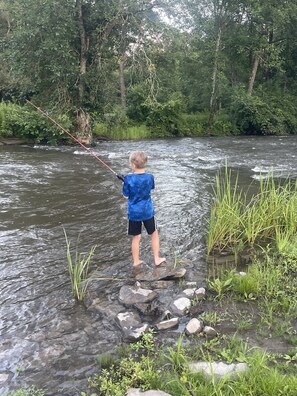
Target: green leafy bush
[[263, 113], [22, 122], [192, 124], [32, 391]]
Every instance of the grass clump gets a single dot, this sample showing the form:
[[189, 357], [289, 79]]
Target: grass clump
[[239, 222], [167, 369], [32, 391], [124, 132], [78, 270]]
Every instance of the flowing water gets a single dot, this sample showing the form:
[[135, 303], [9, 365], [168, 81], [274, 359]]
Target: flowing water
[[46, 337]]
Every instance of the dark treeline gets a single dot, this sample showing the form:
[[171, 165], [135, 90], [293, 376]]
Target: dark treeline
[[140, 68]]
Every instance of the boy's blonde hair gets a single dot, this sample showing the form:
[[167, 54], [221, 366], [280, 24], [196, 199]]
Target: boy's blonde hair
[[139, 159]]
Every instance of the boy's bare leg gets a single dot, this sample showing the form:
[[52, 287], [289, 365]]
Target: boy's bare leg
[[135, 250], [156, 248]]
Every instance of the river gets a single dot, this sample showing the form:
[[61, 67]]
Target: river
[[46, 337]]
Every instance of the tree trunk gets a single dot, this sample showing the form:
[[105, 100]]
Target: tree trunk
[[254, 72], [82, 118], [83, 51], [213, 97], [83, 127], [122, 84]]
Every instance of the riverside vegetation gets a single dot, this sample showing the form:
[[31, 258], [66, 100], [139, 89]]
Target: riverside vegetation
[[259, 309], [140, 69]]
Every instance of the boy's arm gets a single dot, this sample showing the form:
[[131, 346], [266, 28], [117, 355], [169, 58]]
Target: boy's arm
[[125, 191]]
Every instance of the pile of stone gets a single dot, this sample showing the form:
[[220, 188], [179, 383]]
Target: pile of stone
[[145, 302]]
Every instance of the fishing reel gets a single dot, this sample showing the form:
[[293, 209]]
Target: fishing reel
[[121, 177]]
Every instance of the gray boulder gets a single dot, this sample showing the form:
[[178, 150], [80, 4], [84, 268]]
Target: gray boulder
[[130, 295]]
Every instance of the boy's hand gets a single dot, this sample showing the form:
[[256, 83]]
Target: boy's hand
[[121, 177]]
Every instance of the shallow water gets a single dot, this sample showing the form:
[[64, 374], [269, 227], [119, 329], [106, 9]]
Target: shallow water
[[48, 339]]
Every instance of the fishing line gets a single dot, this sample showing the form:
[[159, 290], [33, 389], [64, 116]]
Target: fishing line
[[120, 177]]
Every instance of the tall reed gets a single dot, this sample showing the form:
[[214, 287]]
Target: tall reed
[[224, 225], [78, 270], [237, 221]]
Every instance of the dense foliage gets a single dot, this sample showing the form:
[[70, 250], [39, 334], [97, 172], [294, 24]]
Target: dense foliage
[[152, 68]]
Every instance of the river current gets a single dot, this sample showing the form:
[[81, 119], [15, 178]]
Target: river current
[[46, 337]]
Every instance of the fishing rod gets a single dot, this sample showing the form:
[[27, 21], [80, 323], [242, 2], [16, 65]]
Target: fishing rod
[[120, 177]]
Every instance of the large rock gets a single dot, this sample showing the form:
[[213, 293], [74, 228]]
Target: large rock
[[130, 295], [218, 369], [161, 273], [135, 333], [128, 320], [138, 392], [131, 326]]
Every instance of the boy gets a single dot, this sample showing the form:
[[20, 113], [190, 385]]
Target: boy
[[137, 189]]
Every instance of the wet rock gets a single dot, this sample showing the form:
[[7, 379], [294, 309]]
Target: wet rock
[[167, 324], [134, 294], [210, 332], [166, 315], [159, 284], [181, 306], [134, 334], [3, 377], [196, 310], [175, 274], [128, 320], [218, 369], [103, 306], [161, 273], [194, 326], [138, 392], [150, 309], [200, 293]]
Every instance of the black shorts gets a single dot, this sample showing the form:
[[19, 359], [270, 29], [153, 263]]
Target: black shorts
[[134, 227]]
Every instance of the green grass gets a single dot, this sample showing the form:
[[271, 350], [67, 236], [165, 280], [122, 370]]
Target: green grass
[[31, 391], [167, 369], [238, 221], [78, 268], [137, 132]]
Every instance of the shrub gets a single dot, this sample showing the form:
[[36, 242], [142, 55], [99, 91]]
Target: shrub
[[22, 122], [263, 114]]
